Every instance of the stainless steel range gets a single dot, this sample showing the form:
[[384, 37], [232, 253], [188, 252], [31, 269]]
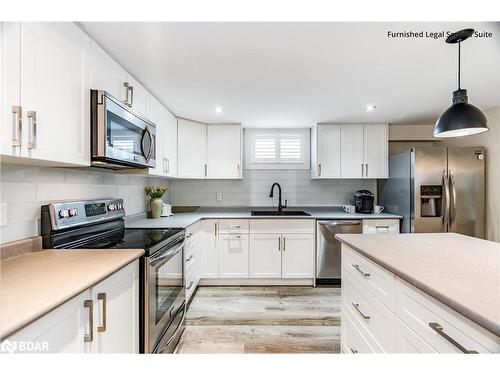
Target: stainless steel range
[[98, 224]]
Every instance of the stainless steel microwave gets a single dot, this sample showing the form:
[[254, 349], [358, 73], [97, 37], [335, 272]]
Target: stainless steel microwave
[[120, 137]]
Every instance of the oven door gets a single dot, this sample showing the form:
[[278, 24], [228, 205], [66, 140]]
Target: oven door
[[123, 136], [165, 292]]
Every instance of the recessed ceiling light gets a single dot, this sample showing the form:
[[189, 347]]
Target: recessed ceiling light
[[370, 107], [218, 109]]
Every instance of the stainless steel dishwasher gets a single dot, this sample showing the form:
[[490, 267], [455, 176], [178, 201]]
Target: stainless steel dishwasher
[[328, 261]]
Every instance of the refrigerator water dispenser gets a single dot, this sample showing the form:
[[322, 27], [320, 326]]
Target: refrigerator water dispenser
[[430, 200]]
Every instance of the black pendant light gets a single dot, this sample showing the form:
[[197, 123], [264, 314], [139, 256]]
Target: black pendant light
[[461, 118]]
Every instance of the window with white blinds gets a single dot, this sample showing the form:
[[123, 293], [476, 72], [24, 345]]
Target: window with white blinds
[[277, 148]]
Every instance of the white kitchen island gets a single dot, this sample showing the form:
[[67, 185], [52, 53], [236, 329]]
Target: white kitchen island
[[431, 293]]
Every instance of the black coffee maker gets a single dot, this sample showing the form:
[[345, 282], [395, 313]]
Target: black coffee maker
[[363, 201]]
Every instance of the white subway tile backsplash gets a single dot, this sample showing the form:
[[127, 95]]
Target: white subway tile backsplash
[[25, 189], [255, 186]]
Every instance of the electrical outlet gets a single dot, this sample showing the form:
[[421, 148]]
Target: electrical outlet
[[3, 214], [218, 197]]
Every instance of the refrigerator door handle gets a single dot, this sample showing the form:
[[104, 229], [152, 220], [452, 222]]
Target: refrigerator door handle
[[446, 202], [453, 198]]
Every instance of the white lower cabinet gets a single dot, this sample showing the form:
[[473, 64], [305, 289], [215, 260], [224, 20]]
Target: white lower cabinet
[[102, 319], [297, 260], [210, 249], [265, 256], [233, 256], [117, 324], [383, 313]]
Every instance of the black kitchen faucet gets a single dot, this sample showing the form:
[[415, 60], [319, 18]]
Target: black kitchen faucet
[[280, 206]]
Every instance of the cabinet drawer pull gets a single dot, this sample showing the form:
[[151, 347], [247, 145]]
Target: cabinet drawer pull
[[190, 285], [88, 337], [356, 267], [17, 126], [354, 351], [235, 226], [31, 129], [356, 306], [102, 297], [437, 328], [190, 257], [382, 226]]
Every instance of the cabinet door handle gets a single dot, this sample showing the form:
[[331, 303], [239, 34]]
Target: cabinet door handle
[[89, 304], [215, 229], [190, 285], [366, 170], [131, 88], [356, 267], [319, 170], [31, 129], [284, 243], [279, 243], [127, 94], [190, 257], [238, 167], [164, 166], [440, 331], [354, 351], [17, 126], [102, 297], [168, 165], [362, 170], [205, 170], [356, 306]]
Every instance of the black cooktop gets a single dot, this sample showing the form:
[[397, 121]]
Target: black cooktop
[[147, 239]]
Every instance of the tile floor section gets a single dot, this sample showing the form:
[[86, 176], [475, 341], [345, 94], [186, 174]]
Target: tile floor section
[[262, 320]]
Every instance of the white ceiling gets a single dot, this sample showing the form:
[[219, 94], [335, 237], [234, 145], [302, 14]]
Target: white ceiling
[[298, 74]]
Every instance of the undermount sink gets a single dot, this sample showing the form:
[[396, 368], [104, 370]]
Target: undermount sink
[[282, 213]]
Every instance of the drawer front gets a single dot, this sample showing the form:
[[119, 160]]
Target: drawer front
[[233, 226], [282, 226], [353, 338], [369, 312], [407, 341], [380, 282], [373, 226], [190, 260], [444, 329]]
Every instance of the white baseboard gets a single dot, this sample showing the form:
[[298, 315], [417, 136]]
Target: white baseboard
[[243, 282]]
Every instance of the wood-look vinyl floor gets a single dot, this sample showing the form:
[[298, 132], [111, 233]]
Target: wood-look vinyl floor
[[262, 320]]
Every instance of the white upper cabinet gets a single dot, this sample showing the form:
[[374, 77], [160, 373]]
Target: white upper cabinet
[[375, 150], [54, 82], [166, 139], [107, 74], [224, 151], [328, 151], [192, 141], [11, 89], [351, 154]]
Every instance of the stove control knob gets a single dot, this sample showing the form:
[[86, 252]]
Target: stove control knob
[[63, 214], [120, 206], [111, 207], [73, 212]]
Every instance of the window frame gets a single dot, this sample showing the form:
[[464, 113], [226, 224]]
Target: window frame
[[251, 162]]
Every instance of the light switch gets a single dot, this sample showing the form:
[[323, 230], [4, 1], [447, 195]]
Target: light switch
[[218, 197], [3, 214]]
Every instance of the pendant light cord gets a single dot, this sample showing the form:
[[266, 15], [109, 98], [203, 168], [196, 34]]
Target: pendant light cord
[[459, 65]]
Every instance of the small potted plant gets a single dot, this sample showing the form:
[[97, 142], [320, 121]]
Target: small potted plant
[[156, 203]]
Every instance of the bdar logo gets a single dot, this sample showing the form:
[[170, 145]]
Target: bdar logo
[[8, 347]]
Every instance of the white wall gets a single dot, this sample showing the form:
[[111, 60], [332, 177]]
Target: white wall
[[24, 189], [491, 141], [254, 188]]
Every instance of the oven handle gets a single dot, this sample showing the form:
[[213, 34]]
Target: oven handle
[[164, 255], [174, 335]]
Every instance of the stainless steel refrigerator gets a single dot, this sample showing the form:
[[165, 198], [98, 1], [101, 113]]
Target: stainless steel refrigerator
[[437, 189]]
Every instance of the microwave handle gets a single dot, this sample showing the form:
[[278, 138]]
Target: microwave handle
[[147, 153]]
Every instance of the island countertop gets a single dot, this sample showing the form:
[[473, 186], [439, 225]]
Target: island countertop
[[461, 272], [35, 283]]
